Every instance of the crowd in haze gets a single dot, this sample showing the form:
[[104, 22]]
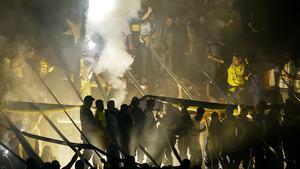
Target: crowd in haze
[[159, 134], [200, 51], [259, 137]]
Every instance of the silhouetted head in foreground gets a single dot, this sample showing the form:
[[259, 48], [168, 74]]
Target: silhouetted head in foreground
[[88, 101], [99, 105], [124, 108], [31, 163], [185, 164], [111, 105], [214, 116], [199, 114], [135, 102], [55, 165], [79, 164]]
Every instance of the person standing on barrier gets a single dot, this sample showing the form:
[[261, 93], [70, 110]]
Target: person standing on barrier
[[137, 129], [138, 41], [236, 79], [273, 141], [150, 134], [195, 147], [90, 128], [258, 121], [111, 114], [228, 143], [125, 123], [166, 132], [183, 131], [212, 148], [101, 119]]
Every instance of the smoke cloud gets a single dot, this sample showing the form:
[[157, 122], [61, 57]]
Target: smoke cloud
[[111, 19]]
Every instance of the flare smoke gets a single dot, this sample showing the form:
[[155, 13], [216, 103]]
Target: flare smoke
[[110, 19]]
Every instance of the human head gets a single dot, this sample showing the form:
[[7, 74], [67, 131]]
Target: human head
[[99, 104], [79, 164], [55, 164], [124, 107], [199, 114], [169, 21], [214, 116], [135, 101], [236, 59], [110, 105], [88, 101]]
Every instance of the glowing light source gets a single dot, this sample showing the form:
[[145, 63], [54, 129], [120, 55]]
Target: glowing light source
[[6, 152], [98, 9], [91, 45]]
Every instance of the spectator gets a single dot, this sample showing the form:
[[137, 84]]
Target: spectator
[[111, 114], [237, 77], [125, 124], [167, 40], [90, 128], [137, 130]]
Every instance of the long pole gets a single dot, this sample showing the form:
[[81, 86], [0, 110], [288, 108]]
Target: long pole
[[170, 72], [135, 83], [25, 144], [62, 136], [67, 114]]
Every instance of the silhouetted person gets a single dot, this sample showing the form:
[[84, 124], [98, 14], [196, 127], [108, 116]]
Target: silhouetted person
[[31, 164], [150, 131], [211, 152], [243, 139], [290, 137], [137, 129], [125, 123], [195, 147], [55, 165], [79, 164], [274, 154], [101, 119], [90, 128], [183, 131], [166, 131], [111, 114], [100, 116], [258, 120]]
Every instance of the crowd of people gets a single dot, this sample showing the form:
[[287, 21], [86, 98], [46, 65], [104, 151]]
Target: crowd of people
[[151, 135], [195, 49]]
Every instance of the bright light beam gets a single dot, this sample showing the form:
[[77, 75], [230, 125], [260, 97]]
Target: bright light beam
[[98, 9]]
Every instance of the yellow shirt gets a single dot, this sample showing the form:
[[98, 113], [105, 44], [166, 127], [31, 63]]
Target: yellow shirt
[[236, 76], [101, 118]]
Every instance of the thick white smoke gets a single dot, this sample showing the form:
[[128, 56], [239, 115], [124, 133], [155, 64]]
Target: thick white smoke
[[110, 19]]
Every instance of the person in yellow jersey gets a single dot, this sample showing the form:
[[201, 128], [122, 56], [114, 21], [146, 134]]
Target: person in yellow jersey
[[236, 79]]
